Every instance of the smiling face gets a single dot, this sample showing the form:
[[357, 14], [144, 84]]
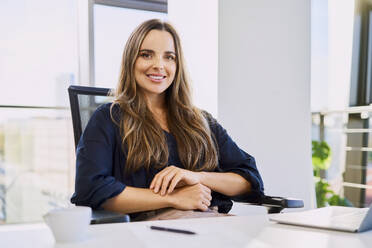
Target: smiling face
[[155, 66]]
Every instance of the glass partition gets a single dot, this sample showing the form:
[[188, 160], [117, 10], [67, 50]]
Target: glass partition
[[37, 162]]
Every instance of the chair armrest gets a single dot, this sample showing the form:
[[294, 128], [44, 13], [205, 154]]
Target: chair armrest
[[277, 201], [276, 204], [104, 217]]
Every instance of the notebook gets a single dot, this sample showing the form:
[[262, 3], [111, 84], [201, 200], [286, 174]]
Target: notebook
[[348, 219]]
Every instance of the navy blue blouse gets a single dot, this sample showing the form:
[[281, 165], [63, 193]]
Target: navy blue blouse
[[100, 163]]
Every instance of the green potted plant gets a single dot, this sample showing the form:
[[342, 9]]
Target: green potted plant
[[321, 159]]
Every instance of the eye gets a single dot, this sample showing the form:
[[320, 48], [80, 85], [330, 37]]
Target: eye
[[170, 57], [145, 55]]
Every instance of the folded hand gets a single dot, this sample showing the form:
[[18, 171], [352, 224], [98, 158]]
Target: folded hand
[[172, 177]]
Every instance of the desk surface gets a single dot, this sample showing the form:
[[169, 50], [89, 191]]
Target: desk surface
[[236, 231]]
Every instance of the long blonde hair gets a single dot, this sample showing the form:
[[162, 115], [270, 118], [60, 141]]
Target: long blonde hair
[[143, 140]]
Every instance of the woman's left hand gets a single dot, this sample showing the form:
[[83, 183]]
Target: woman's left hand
[[171, 177]]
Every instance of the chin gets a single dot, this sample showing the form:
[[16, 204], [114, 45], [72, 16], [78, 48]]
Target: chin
[[155, 91]]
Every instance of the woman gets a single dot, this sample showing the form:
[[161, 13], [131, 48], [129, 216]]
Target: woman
[[151, 148]]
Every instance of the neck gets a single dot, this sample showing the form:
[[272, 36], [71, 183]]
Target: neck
[[158, 108], [156, 103]]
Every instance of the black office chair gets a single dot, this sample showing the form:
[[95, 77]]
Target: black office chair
[[85, 100]]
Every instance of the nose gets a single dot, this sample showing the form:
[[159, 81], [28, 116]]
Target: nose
[[158, 62]]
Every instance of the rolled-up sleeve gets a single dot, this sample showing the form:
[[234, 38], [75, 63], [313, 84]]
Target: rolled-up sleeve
[[94, 182], [233, 159]]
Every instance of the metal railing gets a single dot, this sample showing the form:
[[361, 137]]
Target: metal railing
[[365, 112]]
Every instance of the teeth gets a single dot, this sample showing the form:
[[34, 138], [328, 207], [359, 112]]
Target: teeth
[[156, 77]]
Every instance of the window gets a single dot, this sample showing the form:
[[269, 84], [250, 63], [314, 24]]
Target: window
[[38, 60], [40, 56], [341, 62]]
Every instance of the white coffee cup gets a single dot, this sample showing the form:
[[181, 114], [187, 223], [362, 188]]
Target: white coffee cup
[[69, 224]]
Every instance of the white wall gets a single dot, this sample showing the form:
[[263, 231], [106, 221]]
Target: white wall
[[340, 26], [331, 53], [197, 23], [264, 89], [319, 55]]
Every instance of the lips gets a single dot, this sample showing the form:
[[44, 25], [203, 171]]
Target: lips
[[156, 77]]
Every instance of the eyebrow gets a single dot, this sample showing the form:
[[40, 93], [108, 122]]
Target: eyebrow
[[151, 51]]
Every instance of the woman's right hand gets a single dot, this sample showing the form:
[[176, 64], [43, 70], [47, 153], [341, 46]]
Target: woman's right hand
[[191, 197]]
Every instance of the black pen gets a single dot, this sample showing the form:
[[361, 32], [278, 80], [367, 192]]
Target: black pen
[[171, 230]]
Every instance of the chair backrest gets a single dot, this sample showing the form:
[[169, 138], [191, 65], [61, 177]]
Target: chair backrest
[[84, 101]]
